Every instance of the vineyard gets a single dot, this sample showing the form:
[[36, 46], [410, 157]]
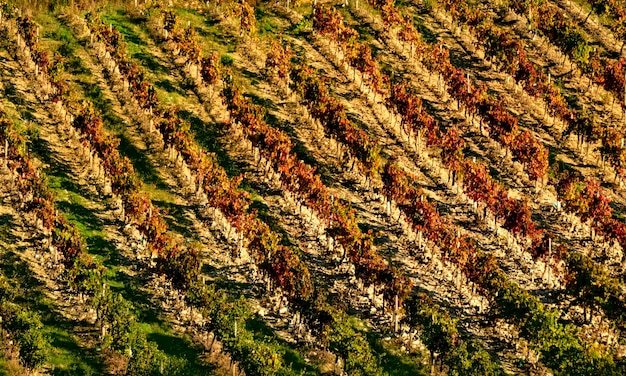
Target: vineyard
[[294, 187]]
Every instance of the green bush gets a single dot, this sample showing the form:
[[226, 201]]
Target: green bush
[[353, 348], [148, 360], [227, 60], [26, 328], [471, 359]]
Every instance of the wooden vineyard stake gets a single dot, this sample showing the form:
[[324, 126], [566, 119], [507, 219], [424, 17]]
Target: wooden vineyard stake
[[395, 314], [624, 109], [545, 270]]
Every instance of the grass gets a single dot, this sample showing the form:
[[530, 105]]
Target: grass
[[169, 92], [267, 23], [211, 35], [62, 355]]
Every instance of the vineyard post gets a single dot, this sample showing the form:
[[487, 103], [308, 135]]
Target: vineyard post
[[495, 224], [612, 104], [545, 270], [419, 239], [6, 151], [419, 140], [549, 253], [395, 314]]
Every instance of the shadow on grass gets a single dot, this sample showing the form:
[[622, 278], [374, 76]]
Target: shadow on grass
[[84, 219], [5, 229], [131, 289], [395, 363], [426, 34], [180, 348], [176, 219], [359, 123], [462, 60], [619, 211], [118, 22], [209, 28], [224, 281], [58, 172], [98, 245], [292, 359], [266, 103], [73, 63], [12, 94], [366, 33], [207, 136], [143, 165], [102, 103], [274, 223], [148, 62], [169, 87]]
